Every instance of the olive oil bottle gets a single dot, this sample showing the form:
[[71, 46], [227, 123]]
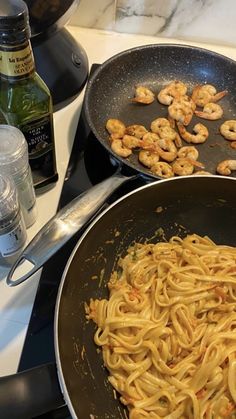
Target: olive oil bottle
[[25, 100]]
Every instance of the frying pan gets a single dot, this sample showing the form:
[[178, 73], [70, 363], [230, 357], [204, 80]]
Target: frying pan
[[110, 89], [205, 205]]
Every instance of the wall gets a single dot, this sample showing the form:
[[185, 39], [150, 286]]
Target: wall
[[197, 20]]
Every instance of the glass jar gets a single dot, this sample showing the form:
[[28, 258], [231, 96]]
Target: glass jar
[[14, 162], [12, 226]]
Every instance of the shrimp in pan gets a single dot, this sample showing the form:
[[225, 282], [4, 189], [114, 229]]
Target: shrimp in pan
[[159, 123], [161, 126], [162, 169], [182, 167], [130, 141], [211, 111], [166, 149], [148, 158], [188, 151], [149, 140], [119, 148], [181, 110], [185, 166], [137, 130], [199, 136], [143, 95], [203, 94], [116, 128], [173, 90], [225, 167], [228, 130]]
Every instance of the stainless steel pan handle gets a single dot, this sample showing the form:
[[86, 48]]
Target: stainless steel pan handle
[[63, 226]]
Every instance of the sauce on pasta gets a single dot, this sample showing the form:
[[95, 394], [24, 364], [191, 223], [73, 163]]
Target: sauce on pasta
[[168, 329]]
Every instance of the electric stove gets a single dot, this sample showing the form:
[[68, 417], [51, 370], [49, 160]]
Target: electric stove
[[89, 164]]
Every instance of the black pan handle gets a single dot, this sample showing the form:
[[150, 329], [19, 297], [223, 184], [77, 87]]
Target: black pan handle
[[30, 393]]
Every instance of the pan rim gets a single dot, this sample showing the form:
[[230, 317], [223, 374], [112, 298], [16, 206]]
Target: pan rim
[[60, 374]]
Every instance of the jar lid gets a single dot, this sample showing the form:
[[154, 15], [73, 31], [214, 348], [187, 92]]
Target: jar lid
[[14, 21], [8, 197], [14, 156]]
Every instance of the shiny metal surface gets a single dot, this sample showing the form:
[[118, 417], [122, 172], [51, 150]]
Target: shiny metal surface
[[63, 226]]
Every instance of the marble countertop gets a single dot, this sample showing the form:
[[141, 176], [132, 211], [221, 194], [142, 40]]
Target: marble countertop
[[16, 302]]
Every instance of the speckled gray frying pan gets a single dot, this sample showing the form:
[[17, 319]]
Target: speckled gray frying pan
[[110, 89]]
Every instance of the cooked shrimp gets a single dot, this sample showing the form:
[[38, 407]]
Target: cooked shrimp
[[143, 95], [178, 140], [188, 151], [182, 167], [137, 130], [161, 126], [149, 140], [228, 130], [166, 149], [225, 167], [130, 141], [203, 94], [167, 132], [211, 111], [200, 133], [162, 169], [116, 128], [173, 90], [182, 110], [148, 158], [159, 123], [118, 147]]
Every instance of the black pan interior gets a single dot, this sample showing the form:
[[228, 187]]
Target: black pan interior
[[203, 205], [110, 89]]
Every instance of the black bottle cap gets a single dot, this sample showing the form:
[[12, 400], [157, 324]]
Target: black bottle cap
[[14, 22]]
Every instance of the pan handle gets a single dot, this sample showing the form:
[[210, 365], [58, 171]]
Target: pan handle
[[30, 393], [60, 228]]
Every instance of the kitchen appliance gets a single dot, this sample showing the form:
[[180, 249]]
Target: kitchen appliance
[[60, 60]]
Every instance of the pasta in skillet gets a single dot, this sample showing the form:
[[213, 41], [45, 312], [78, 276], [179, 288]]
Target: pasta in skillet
[[168, 329]]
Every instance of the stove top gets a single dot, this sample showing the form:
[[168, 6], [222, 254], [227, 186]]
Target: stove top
[[89, 164]]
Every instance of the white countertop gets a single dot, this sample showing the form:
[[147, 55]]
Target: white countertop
[[16, 302]]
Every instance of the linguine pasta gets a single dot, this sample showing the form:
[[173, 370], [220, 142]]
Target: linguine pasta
[[168, 329]]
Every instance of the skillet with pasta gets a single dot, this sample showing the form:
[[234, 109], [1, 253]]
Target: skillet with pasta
[[167, 330]]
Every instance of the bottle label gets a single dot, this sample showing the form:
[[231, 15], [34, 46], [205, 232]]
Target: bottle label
[[39, 136], [11, 242], [16, 62]]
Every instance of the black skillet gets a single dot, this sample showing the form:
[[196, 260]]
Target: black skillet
[[112, 86], [205, 205]]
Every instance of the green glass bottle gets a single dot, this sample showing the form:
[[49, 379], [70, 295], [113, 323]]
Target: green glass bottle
[[25, 100]]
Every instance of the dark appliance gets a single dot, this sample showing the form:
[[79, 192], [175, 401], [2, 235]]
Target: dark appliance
[[60, 60]]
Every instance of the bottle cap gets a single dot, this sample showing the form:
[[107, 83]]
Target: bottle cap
[[14, 157], [14, 22], [8, 197]]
